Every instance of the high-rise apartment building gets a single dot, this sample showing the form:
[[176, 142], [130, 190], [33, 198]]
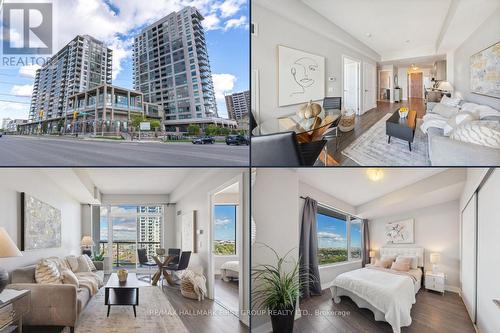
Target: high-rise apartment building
[[149, 228], [84, 63], [171, 68], [238, 104]]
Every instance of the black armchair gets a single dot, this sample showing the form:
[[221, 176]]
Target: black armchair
[[180, 266], [175, 253]]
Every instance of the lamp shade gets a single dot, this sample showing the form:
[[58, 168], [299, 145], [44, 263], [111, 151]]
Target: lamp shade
[[87, 241], [372, 254], [7, 246], [445, 85], [435, 258]]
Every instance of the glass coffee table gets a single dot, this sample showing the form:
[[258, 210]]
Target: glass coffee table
[[123, 294], [401, 128]]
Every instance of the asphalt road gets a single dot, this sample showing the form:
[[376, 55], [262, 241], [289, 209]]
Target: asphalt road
[[49, 151]]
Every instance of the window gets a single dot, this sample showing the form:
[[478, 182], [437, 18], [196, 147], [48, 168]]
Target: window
[[339, 237], [224, 230]]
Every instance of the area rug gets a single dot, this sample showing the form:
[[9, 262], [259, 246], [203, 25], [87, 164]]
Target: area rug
[[154, 314], [371, 148]]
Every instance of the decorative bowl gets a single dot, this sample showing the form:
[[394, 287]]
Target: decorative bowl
[[403, 112]]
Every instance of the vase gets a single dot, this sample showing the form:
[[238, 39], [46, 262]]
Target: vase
[[122, 275], [282, 321]]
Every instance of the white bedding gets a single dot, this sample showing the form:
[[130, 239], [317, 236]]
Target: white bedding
[[230, 269], [388, 291]]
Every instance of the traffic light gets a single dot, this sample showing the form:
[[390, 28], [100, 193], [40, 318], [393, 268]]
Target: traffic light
[[75, 114]]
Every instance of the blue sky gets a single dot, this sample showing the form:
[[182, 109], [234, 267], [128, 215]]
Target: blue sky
[[332, 232], [225, 222], [116, 22]]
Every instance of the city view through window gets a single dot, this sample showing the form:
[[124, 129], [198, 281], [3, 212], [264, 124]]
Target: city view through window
[[337, 237], [127, 228], [225, 230]]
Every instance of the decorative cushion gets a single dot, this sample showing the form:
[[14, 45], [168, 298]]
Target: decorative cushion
[[90, 263], [479, 132], [60, 262], [83, 265], [469, 107], [411, 260], [453, 102], [72, 262], [46, 272], [384, 262], [486, 111], [400, 266], [445, 110], [457, 119], [68, 277]]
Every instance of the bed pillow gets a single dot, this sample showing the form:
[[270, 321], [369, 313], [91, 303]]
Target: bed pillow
[[401, 267], [445, 110], [480, 132], [384, 262], [454, 102], [411, 260]]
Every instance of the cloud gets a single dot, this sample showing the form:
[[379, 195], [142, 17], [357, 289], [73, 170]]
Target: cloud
[[13, 110], [223, 221], [236, 23], [230, 7], [22, 90], [330, 235], [211, 22], [29, 70], [223, 84]]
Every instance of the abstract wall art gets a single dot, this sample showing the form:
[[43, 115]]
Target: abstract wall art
[[301, 76], [400, 232], [40, 224], [485, 72]]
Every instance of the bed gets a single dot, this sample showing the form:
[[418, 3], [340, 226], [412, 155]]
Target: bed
[[230, 270], [388, 294]]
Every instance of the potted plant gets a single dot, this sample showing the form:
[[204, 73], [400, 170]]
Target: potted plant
[[277, 289]]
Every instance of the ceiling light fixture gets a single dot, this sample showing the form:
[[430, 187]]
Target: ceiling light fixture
[[368, 34], [407, 41], [375, 174]]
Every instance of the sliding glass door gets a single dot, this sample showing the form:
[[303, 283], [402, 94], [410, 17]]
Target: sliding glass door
[[126, 228]]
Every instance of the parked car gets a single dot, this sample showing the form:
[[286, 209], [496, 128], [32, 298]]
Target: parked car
[[1, 134], [203, 139], [236, 140]]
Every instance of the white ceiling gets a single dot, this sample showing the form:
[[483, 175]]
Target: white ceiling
[[430, 26], [139, 180], [421, 62], [352, 185]]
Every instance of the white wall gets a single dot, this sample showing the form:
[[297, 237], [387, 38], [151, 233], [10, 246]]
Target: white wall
[[437, 229], [34, 182], [486, 35], [474, 178], [293, 24], [403, 82]]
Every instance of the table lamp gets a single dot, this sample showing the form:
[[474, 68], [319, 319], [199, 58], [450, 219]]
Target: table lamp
[[435, 258], [371, 255], [7, 249], [87, 244]]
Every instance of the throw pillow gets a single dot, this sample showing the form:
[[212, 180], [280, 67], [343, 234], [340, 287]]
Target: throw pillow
[[457, 119], [445, 110], [411, 260], [384, 262], [72, 262], [59, 262], [469, 107], [46, 272], [90, 263], [83, 265], [454, 102], [68, 277], [479, 132], [402, 267]]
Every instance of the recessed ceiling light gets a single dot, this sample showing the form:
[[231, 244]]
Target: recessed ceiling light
[[368, 34], [375, 174], [407, 41]]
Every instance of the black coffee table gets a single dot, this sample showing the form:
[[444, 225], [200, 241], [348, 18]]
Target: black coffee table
[[401, 128], [126, 293]]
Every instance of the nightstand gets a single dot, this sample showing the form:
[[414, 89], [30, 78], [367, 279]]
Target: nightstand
[[14, 304], [434, 281]]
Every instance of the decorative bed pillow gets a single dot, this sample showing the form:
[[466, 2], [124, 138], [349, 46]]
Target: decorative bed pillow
[[445, 110], [384, 262], [486, 111], [479, 132], [83, 265], [90, 263], [68, 277], [46, 272], [454, 102], [469, 107], [402, 267], [411, 260], [457, 119]]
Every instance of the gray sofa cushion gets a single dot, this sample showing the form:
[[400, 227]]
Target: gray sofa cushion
[[83, 297], [23, 275]]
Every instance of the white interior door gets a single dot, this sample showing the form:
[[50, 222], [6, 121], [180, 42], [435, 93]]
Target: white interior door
[[488, 249], [351, 85], [468, 255], [369, 87]]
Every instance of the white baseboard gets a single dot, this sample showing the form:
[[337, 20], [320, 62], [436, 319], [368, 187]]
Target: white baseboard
[[453, 289]]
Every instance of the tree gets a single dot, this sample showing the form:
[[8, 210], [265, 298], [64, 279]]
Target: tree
[[155, 123], [193, 129], [211, 130], [136, 120], [224, 131]]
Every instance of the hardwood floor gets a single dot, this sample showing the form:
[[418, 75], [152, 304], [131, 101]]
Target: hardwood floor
[[227, 293], [367, 120], [432, 313]]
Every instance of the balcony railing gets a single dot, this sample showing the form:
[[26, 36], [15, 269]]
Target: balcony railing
[[124, 253]]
